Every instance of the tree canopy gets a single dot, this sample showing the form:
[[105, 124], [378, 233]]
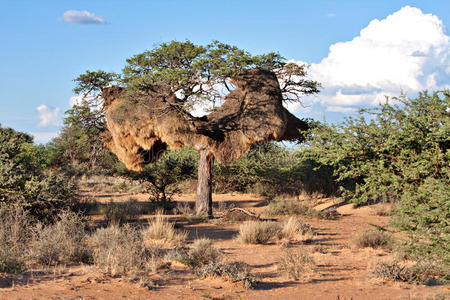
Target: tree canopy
[[197, 73]]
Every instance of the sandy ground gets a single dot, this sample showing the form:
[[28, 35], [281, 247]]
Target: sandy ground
[[341, 273]]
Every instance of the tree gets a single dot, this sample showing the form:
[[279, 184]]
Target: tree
[[398, 152], [159, 88], [78, 149]]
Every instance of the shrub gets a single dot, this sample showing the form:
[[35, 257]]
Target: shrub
[[234, 272], [374, 239], [201, 252], [60, 242], [289, 207], [270, 170], [160, 228], [117, 214], [296, 264], [382, 210], [419, 273], [294, 229], [15, 232], [118, 250], [25, 179], [257, 232]]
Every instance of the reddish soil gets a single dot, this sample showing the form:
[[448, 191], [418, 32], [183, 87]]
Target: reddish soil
[[341, 273]]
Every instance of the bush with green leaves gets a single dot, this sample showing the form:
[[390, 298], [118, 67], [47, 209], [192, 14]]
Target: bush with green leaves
[[160, 179], [399, 151], [272, 169], [25, 178]]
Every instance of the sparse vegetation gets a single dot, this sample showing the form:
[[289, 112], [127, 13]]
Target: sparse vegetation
[[159, 228], [118, 250], [61, 242], [200, 253], [290, 207], [257, 232], [295, 229], [234, 272], [423, 272], [373, 238], [15, 231], [119, 213], [296, 263]]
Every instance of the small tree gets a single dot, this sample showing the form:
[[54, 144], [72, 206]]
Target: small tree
[[161, 178], [78, 148]]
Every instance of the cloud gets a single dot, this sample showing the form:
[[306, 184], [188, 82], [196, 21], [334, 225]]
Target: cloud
[[407, 51], [49, 116], [43, 137], [82, 17], [331, 15]]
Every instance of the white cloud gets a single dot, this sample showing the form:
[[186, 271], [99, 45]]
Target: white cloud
[[407, 51], [49, 116], [331, 15], [43, 137], [82, 17], [342, 109]]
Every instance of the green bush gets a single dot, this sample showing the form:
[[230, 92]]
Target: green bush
[[25, 179], [271, 170], [398, 152]]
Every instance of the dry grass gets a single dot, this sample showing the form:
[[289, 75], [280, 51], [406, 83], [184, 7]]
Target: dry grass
[[118, 250], [110, 184], [201, 252], [161, 229], [234, 272], [374, 239], [15, 231], [117, 214], [290, 207], [295, 229], [382, 210], [61, 242], [257, 232], [423, 272], [296, 264]]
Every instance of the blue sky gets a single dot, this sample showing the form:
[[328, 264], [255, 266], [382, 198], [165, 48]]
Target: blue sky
[[377, 47]]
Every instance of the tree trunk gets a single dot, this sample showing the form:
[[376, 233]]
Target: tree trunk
[[203, 203]]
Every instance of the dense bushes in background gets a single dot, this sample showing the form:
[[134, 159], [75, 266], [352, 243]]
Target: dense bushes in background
[[271, 169], [398, 152], [25, 179]]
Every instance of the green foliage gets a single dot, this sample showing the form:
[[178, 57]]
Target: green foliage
[[79, 149], [24, 179], [194, 72], [398, 152], [161, 178], [271, 169], [94, 81]]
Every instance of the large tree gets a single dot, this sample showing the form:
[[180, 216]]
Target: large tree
[[148, 108]]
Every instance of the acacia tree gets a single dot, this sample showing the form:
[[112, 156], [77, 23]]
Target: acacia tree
[[158, 89]]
